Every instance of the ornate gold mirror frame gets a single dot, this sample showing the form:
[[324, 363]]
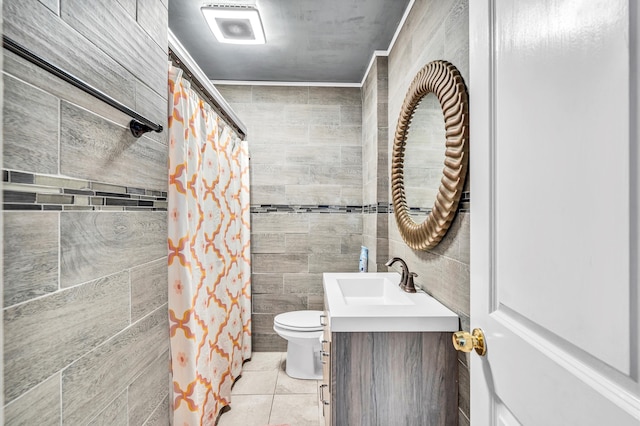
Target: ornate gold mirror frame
[[443, 80]]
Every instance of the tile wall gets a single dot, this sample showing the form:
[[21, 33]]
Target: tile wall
[[375, 133], [306, 194], [85, 320], [436, 29]]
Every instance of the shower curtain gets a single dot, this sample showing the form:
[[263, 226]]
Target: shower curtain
[[209, 255]]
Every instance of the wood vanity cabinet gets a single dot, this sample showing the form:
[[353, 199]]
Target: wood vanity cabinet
[[388, 378]]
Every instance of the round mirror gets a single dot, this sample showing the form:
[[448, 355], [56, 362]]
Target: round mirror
[[436, 110], [424, 158]]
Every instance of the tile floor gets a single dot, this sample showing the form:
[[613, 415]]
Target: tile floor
[[265, 395]]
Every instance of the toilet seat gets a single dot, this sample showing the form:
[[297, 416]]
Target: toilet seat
[[304, 321]]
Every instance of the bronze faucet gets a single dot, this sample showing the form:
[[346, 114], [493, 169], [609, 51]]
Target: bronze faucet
[[406, 280]]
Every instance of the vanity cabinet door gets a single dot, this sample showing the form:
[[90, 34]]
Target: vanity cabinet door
[[393, 379], [325, 357]]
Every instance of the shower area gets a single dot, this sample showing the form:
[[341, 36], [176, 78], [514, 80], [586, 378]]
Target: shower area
[[126, 253], [209, 244]]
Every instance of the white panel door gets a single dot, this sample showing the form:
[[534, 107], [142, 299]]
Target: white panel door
[[554, 223]]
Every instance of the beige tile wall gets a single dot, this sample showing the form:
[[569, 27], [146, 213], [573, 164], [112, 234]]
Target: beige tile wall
[[85, 292], [375, 132], [435, 29], [306, 150]]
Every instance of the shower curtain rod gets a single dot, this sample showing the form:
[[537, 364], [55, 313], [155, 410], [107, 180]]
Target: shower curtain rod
[[138, 126], [183, 59]]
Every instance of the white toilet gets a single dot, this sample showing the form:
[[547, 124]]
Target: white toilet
[[303, 331]]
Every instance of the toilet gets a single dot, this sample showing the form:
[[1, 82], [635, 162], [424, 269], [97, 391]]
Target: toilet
[[303, 332]]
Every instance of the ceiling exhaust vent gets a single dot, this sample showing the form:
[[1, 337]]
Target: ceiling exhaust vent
[[235, 24]]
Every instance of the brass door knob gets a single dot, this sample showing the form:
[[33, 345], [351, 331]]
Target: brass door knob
[[465, 342]]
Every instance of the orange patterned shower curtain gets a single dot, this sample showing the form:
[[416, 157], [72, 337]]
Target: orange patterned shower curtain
[[209, 256]]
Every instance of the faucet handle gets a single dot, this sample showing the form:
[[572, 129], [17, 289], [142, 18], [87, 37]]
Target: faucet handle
[[410, 287]]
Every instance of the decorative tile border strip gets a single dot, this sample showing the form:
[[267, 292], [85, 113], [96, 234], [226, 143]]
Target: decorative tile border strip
[[282, 208], [383, 208], [378, 208], [28, 191], [464, 205]]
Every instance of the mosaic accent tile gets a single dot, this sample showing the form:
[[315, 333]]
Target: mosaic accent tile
[[103, 187], [321, 208], [19, 197], [8, 206], [61, 182], [78, 191], [76, 208], [19, 177], [27, 191], [136, 191], [110, 208], [112, 194], [120, 202], [80, 200], [54, 199], [21, 187]]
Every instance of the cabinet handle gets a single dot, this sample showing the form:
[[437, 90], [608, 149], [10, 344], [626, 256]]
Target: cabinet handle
[[323, 353], [324, 404], [323, 323]]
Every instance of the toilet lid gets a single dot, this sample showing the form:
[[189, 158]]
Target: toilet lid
[[299, 320]]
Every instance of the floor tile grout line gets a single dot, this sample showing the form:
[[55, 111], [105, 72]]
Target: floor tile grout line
[[273, 398], [281, 379]]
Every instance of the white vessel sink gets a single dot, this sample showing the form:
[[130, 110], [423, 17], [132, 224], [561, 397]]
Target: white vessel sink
[[373, 301]]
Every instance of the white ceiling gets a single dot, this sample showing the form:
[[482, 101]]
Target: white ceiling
[[308, 41]]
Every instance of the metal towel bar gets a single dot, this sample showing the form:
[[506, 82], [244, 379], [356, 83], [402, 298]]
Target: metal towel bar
[[138, 126]]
